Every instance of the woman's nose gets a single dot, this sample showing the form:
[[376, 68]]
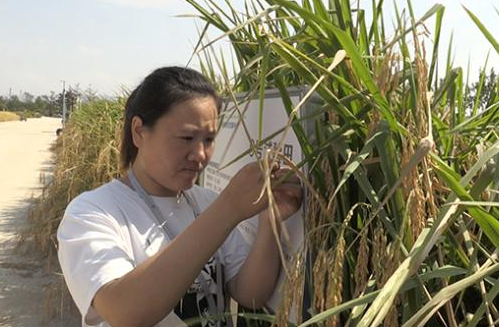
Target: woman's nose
[[197, 153]]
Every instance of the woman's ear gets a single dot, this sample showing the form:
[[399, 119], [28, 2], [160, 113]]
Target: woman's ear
[[137, 127]]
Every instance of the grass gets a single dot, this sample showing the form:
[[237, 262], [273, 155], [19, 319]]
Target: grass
[[8, 116]]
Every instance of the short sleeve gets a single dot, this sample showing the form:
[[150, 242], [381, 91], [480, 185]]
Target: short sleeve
[[91, 252]]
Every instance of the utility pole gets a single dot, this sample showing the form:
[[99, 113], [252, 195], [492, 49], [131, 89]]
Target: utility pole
[[63, 103]]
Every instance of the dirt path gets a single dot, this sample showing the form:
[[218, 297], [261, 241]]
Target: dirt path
[[24, 156]]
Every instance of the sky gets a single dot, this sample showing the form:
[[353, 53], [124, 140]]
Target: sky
[[108, 45]]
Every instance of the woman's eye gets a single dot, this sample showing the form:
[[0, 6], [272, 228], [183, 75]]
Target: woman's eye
[[186, 138], [210, 140]]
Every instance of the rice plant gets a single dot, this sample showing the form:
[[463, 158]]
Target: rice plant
[[404, 229]]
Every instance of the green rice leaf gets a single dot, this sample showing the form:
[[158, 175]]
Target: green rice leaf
[[483, 29]]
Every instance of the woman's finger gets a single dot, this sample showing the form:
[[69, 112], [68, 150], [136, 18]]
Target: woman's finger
[[286, 175], [290, 189]]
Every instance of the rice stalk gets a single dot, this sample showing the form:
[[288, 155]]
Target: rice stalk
[[394, 136]]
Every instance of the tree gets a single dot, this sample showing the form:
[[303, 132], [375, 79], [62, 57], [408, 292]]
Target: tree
[[72, 96], [28, 97], [15, 104], [47, 105], [483, 92], [89, 94], [3, 104]]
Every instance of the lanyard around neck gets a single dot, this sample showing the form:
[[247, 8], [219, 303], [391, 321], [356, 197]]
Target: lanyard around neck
[[214, 309], [150, 203]]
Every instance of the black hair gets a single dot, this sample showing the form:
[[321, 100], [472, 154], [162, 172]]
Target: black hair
[[158, 92]]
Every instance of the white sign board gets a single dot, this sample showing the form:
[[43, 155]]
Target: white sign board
[[232, 141]]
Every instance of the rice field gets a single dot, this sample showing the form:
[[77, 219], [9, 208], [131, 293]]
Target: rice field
[[402, 221]]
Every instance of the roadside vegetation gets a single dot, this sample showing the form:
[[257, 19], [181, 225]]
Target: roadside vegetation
[[50, 105], [401, 218], [8, 116], [86, 156]]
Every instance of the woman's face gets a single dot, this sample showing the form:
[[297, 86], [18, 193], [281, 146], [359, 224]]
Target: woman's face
[[173, 152]]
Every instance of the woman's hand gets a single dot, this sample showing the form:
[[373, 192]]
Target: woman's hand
[[287, 193], [256, 280], [242, 194]]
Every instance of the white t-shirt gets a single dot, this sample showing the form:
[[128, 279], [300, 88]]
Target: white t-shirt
[[107, 232]]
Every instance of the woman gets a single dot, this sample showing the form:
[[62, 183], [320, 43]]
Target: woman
[[153, 248]]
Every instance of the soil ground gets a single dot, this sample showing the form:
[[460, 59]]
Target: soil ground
[[24, 278]]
